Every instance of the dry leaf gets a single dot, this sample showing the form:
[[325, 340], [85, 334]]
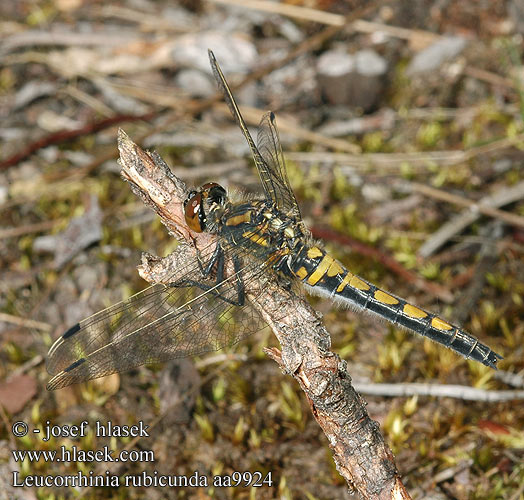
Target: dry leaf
[[16, 392]]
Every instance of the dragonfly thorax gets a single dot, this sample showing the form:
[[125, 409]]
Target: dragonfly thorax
[[256, 225]]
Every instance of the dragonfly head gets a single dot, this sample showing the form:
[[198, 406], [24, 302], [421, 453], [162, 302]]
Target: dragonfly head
[[199, 204]]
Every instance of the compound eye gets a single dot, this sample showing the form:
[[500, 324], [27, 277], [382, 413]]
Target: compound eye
[[193, 213], [189, 196]]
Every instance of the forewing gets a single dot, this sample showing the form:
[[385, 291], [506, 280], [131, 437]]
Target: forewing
[[272, 188], [274, 166]]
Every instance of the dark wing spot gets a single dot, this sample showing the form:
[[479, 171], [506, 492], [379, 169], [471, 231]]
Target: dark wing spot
[[71, 331], [72, 366]]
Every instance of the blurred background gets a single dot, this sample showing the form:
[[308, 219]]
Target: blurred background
[[395, 118]]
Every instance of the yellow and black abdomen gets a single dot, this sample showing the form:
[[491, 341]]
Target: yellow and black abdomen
[[329, 277]]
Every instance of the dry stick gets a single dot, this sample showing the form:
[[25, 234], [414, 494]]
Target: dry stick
[[37, 227], [396, 160], [457, 224], [61, 35], [319, 16], [518, 493], [475, 207], [28, 365], [83, 97], [360, 453], [440, 391], [148, 22], [25, 322], [493, 146], [390, 161], [487, 257], [490, 77], [513, 379]]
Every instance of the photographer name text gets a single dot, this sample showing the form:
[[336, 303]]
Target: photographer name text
[[107, 429]]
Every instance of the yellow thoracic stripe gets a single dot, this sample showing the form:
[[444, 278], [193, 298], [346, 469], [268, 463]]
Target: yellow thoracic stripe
[[256, 238], [301, 273], [239, 219], [314, 252]]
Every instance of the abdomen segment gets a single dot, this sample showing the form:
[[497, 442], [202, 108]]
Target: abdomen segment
[[329, 277]]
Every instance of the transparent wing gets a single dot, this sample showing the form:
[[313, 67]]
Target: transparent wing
[[162, 322], [270, 148], [269, 162]]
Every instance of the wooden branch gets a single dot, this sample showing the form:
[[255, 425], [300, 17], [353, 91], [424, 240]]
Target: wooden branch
[[457, 224], [475, 207], [360, 453]]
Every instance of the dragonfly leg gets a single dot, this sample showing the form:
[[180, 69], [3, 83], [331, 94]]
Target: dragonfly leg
[[219, 258], [241, 292], [215, 256], [220, 286]]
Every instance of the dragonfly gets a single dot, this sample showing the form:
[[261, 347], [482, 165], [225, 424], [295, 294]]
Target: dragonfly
[[205, 305]]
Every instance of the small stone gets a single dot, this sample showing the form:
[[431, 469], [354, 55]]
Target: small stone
[[179, 386], [81, 232], [334, 71], [4, 192], [352, 80], [436, 54], [234, 52], [32, 91], [195, 83], [368, 80]]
